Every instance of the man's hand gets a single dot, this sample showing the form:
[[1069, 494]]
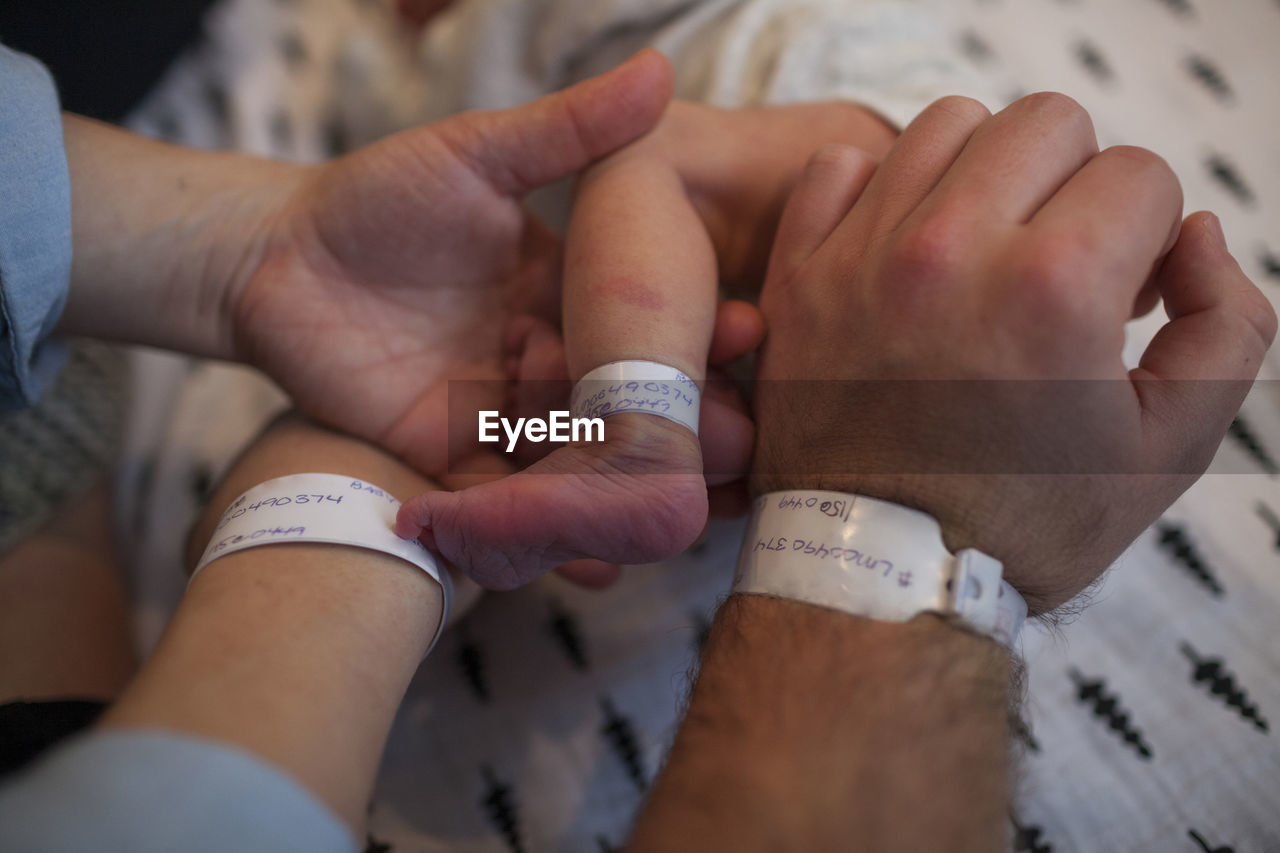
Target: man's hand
[[994, 248]]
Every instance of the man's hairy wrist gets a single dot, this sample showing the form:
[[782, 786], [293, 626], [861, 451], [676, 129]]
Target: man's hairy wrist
[[798, 708], [827, 638], [808, 665]]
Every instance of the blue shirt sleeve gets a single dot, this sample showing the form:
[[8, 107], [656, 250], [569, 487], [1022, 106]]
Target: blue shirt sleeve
[[137, 791], [35, 229]]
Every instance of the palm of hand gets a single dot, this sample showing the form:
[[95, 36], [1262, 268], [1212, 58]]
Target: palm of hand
[[389, 272]]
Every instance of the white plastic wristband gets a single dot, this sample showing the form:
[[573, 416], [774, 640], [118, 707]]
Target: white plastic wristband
[[871, 558], [327, 508], [637, 386]]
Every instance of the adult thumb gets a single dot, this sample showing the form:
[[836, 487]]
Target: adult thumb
[[520, 149], [1197, 369]]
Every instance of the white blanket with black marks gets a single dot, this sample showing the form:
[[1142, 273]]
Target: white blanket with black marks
[[539, 722]]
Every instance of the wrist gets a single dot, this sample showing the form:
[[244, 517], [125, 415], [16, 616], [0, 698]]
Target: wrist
[[799, 708], [972, 511], [239, 225], [873, 558], [276, 648], [163, 237], [798, 650]]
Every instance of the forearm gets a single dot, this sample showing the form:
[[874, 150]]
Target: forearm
[[298, 653], [809, 728], [161, 236]]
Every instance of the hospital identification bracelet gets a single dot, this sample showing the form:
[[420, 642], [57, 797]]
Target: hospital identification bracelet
[[325, 508], [871, 558], [646, 387]]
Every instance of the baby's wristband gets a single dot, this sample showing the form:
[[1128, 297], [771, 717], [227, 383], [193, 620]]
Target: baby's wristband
[[871, 558], [637, 386], [328, 508]]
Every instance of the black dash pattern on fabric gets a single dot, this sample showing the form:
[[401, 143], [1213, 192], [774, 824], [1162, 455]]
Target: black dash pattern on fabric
[[975, 47], [1210, 76], [1023, 732], [1106, 707], [1269, 517], [1222, 685], [1205, 846], [499, 806], [1180, 7], [620, 734], [373, 845], [1270, 263], [701, 631], [568, 635], [1027, 839], [1173, 539], [1093, 60], [1225, 174], [1242, 434], [470, 659]]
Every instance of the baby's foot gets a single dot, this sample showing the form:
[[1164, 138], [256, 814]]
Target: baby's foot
[[636, 497]]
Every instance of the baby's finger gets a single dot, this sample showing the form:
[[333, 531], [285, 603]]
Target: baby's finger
[[590, 574], [739, 330], [514, 340], [542, 386], [476, 467], [725, 431]]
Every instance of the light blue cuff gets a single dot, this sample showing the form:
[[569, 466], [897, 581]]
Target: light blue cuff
[[35, 229], [152, 792]]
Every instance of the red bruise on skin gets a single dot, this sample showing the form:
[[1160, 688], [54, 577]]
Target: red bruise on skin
[[628, 291]]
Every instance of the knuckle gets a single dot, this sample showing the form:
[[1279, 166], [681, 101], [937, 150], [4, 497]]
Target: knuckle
[[1053, 105], [967, 110], [1057, 110], [928, 250], [1142, 160], [836, 159], [1257, 316], [845, 120], [1155, 172], [1049, 274]]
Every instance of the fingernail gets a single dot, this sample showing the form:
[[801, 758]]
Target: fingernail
[[1214, 224]]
